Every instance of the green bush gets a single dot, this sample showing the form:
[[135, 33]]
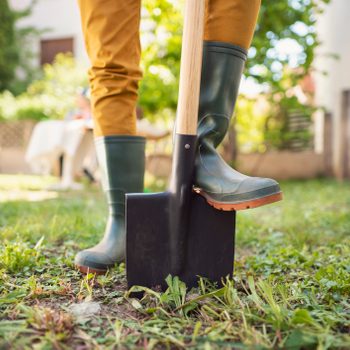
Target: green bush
[[50, 97], [250, 119]]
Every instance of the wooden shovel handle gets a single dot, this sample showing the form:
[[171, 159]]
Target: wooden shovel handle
[[191, 65]]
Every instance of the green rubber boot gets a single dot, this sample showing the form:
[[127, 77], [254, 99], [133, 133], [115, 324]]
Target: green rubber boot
[[223, 187], [122, 164]]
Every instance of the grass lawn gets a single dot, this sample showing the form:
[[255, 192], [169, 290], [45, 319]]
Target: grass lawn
[[291, 288]]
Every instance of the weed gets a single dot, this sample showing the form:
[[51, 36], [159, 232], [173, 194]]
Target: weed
[[18, 256]]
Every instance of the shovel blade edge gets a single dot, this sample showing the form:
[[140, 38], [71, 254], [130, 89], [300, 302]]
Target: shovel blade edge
[[209, 247]]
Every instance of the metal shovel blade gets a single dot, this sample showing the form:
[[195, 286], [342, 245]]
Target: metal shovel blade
[[209, 245]]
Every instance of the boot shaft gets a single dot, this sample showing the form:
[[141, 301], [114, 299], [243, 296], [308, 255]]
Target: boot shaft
[[122, 163], [222, 69]]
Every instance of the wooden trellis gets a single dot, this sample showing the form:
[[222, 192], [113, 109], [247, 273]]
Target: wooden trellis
[[15, 134]]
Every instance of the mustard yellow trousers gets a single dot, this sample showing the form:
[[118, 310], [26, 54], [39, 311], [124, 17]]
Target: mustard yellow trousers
[[111, 34]]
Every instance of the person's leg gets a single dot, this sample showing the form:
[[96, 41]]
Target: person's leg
[[111, 31], [231, 21], [228, 33]]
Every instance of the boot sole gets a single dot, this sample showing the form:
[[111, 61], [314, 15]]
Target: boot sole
[[86, 270], [255, 203]]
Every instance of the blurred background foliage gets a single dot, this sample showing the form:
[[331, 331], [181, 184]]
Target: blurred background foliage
[[280, 58], [50, 97], [9, 53], [16, 54]]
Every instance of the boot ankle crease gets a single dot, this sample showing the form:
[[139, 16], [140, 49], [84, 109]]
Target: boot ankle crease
[[213, 115], [206, 133], [207, 115], [201, 160]]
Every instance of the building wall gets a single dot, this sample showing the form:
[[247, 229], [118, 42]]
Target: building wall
[[59, 17], [333, 28]]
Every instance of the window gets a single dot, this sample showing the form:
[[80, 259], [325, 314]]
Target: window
[[50, 48]]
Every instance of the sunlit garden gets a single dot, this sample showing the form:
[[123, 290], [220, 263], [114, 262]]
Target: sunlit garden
[[290, 287]]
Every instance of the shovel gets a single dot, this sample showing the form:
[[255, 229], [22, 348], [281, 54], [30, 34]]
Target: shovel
[[176, 232]]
